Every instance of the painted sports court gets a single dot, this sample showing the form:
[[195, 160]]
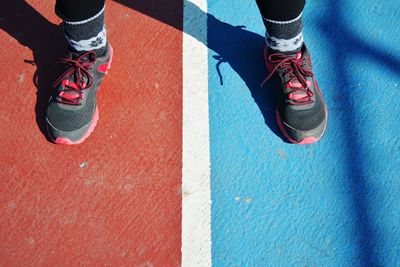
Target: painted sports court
[[187, 166]]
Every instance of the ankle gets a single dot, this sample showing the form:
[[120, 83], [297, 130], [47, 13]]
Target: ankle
[[87, 35], [284, 36]]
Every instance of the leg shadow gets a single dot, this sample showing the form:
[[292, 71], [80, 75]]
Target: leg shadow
[[244, 52], [234, 45], [46, 41]]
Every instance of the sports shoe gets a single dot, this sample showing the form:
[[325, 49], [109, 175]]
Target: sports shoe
[[72, 112], [301, 112]]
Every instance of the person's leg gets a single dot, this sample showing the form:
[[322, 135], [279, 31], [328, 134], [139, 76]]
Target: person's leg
[[283, 23], [83, 22], [301, 112], [72, 111]]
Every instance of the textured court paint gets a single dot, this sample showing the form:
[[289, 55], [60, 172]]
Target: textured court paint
[[196, 205], [335, 203], [115, 200]]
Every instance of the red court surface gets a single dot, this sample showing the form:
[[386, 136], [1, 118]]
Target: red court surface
[[115, 200]]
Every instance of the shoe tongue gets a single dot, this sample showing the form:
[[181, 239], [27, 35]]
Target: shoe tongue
[[73, 82], [75, 55], [69, 95], [72, 53], [297, 95], [295, 92]]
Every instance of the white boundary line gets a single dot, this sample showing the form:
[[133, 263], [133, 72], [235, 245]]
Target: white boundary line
[[196, 194]]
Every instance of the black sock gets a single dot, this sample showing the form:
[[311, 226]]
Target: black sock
[[84, 25], [283, 23]]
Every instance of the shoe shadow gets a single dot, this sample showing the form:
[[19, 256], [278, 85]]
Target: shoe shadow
[[46, 41], [243, 50]]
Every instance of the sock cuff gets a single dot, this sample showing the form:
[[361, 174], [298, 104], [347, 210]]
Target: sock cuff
[[282, 22], [86, 20], [87, 35], [285, 30], [284, 33]]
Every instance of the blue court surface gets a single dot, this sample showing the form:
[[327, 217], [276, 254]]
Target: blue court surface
[[334, 203]]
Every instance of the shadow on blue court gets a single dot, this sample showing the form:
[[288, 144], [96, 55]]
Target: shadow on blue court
[[243, 50], [345, 45], [354, 165]]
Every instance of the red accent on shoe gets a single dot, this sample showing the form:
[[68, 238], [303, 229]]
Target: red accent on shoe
[[111, 59], [103, 68], [68, 83], [297, 96], [72, 94], [68, 95], [296, 84]]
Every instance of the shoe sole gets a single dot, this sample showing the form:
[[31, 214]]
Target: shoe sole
[[93, 123], [309, 139]]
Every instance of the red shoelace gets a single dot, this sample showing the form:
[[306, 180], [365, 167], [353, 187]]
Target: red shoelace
[[295, 70], [71, 92]]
